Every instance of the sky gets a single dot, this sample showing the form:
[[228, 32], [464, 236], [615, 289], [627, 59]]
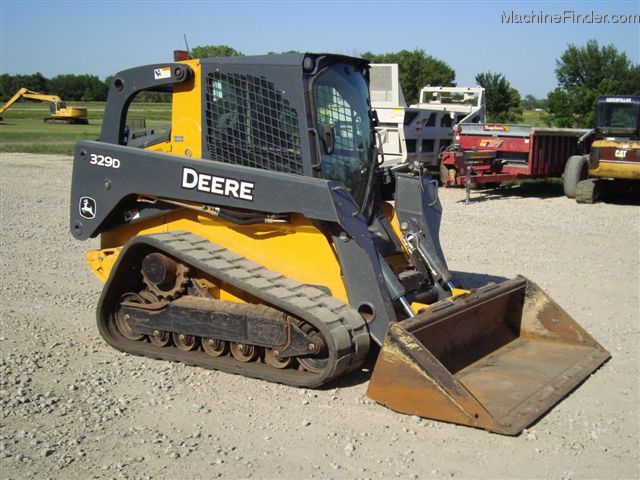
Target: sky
[[103, 37]]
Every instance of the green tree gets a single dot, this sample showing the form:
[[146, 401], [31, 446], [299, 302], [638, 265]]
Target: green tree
[[107, 81], [529, 102], [10, 84], [630, 85], [561, 105], [206, 51], [78, 87], [95, 91], [584, 73], [502, 100], [417, 69]]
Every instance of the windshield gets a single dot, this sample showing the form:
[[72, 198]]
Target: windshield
[[341, 103], [618, 117]]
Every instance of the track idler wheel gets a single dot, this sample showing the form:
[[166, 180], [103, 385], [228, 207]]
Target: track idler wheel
[[318, 361], [313, 364], [122, 320], [186, 343], [215, 347], [160, 338], [271, 358], [243, 352]]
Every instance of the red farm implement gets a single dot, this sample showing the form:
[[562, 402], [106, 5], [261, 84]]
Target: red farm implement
[[488, 154]]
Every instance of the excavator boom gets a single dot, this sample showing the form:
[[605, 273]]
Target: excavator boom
[[60, 112]]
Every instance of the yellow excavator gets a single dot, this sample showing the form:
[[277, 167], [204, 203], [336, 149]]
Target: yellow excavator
[[260, 234], [60, 112]]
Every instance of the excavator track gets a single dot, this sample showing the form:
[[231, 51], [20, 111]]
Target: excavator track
[[59, 121], [67, 121], [343, 330]]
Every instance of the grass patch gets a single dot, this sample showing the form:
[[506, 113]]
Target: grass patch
[[23, 129], [533, 118], [32, 135], [65, 148]]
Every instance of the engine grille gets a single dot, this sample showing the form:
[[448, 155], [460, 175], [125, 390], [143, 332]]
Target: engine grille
[[249, 123]]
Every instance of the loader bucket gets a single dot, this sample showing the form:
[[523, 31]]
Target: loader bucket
[[497, 358]]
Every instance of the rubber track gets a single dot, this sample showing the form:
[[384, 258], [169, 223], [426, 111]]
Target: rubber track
[[344, 329]]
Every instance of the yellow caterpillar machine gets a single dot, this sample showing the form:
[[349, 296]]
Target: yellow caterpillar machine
[[614, 160], [60, 112], [259, 234]]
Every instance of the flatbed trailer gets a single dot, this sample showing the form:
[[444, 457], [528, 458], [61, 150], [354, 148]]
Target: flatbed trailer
[[486, 153]]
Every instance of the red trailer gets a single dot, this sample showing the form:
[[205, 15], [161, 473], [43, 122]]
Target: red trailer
[[489, 154]]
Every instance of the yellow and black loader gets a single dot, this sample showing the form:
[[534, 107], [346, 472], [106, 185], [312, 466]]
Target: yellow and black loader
[[259, 235], [612, 164]]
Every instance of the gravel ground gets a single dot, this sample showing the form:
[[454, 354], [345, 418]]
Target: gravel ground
[[72, 407]]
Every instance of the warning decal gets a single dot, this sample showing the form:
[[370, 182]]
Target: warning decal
[[160, 73]]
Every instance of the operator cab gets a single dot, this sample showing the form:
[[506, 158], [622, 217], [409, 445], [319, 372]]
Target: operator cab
[[618, 116], [342, 113], [54, 106]]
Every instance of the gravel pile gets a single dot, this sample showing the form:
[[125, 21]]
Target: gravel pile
[[72, 407]]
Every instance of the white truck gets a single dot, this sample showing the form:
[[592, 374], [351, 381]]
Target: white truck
[[421, 131]]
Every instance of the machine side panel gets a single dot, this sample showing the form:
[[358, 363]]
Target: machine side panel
[[98, 194], [139, 172]]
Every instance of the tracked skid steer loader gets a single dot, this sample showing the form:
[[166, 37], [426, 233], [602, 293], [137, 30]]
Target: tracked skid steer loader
[[257, 234]]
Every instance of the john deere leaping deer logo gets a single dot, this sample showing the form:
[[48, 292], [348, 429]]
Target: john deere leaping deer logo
[[87, 207]]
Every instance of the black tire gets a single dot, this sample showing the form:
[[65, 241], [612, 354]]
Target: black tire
[[576, 170], [589, 191]]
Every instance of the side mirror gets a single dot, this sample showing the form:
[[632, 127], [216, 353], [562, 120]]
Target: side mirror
[[328, 136], [374, 119]]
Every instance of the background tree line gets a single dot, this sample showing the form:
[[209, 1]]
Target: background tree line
[[583, 74], [417, 69], [85, 88]]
